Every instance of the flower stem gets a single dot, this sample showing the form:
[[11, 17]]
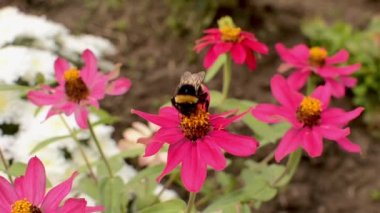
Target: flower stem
[[291, 166], [6, 166], [172, 178], [79, 145], [97, 143], [190, 203], [226, 77]]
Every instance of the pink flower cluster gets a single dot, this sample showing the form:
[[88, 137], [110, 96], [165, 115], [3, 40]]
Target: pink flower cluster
[[28, 194], [78, 89]]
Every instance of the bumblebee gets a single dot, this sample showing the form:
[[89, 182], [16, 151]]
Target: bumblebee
[[190, 94]]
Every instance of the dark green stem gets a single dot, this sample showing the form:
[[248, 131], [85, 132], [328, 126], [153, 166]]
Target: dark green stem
[[97, 143], [6, 166], [190, 203]]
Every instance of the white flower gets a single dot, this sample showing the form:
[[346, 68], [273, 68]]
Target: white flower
[[15, 24], [22, 62], [11, 107]]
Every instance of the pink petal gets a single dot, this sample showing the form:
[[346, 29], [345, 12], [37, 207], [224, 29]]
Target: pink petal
[[256, 46], [348, 70], [250, 60], [283, 93], [60, 66], [322, 93], [337, 88], [210, 58], [336, 116], [298, 79], [234, 144], [332, 132], [90, 67], [160, 120], [268, 113], [34, 181], [73, 205], [339, 57], [222, 47], [194, 170], [43, 97], [347, 145], [238, 53], [55, 196], [81, 117], [312, 143], [152, 148], [297, 56], [201, 45], [97, 85], [176, 153], [7, 195], [288, 144], [119, 86], [211, 154], [169, 135], [222, 122], [348, 81]]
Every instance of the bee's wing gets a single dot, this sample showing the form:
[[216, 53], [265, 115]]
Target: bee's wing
[[195, 79]]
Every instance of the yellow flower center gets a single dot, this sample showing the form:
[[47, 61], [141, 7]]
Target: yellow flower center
[[196, 125], [317, 56], [309, 111], [75, 89], [230, 34], [24, 206]]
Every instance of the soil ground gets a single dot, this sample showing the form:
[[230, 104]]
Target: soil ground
[[155, 57]]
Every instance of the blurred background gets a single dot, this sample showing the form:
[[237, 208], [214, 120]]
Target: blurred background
[[154, 41]]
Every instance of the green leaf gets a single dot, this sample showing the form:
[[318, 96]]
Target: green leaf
[[88, 186], [47, 142], [152, 172], [215, 68], [5, 87], [171, 206], [112, 194], [17, 169], [227, 200]]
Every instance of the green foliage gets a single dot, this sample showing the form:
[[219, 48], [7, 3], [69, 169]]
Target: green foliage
[[112, 195], [171, 206], [215, 68], [364, 46]]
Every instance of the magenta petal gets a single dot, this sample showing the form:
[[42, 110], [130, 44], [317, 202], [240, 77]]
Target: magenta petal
[[169, 135], [347, 145], [222, 47], [250, 60], [268, 113], [210, 58], [322, 93], [256, 46], [81, 117], [339, 117], [333, 132], [298, 79], [312, 143], [55, 196], [211, 154], [42, 97], [238, 53], [60, 66], [348, 81], [119, 86], [176, 153], [339, 57], [90, 66], [234, 144], [297, 56], [153, 147], [283, 93], [74, 205], [348, 70], [7, 195], [34, 181], [160, 120], [288, 144], [337, 88], [221, 122], [194, 170]]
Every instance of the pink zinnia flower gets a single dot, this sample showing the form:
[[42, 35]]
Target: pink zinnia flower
[[196, 141], [315, 60], [239, 44], [28, 194], [77, 90], [310, 117]]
